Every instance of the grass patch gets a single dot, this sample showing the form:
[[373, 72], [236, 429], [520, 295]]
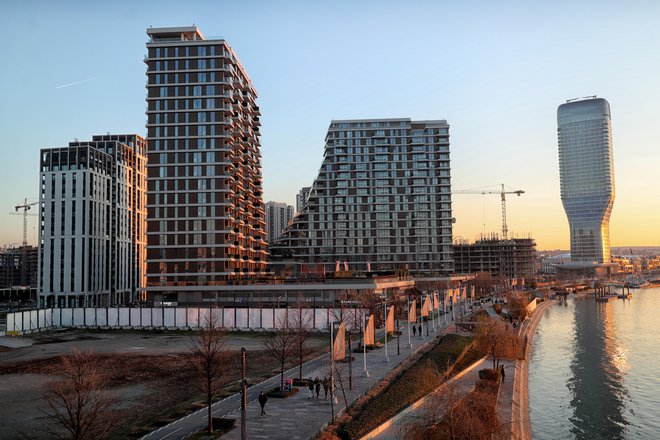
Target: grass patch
[[412, 384]]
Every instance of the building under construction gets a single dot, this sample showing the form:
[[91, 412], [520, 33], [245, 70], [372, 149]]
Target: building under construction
[[513, 257]]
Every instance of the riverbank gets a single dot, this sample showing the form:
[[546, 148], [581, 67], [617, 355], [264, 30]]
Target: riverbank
[[513, 405]]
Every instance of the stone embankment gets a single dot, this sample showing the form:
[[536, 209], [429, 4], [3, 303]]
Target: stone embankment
[[518, 412]]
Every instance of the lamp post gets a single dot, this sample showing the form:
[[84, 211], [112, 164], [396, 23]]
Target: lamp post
[[244, 396], [387, 358], [398, 328], [364, 343]]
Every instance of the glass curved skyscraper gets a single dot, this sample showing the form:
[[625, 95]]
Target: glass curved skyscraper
[[586, 172]]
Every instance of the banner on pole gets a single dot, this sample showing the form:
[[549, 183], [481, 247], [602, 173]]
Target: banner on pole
[[436, 303], [472, 294], [412, 313], [340, 343], [426, 307], [370, 331], [389, 322]]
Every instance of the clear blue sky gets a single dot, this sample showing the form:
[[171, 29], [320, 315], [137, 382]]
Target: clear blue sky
[[495, 70]]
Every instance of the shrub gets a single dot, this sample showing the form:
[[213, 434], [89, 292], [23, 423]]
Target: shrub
[[276, 392]]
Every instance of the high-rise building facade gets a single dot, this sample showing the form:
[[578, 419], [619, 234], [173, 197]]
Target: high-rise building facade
[[381, 201], [92, 235], [586, 171], [206, 216], [278, 216], [301, 197]]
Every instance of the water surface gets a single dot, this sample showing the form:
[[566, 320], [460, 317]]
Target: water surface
[[594, 372]]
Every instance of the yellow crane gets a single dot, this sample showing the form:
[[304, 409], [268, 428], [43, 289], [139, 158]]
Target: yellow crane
[[25, 206], [503, 192]]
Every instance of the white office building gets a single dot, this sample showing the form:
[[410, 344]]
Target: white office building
[[92, 236]]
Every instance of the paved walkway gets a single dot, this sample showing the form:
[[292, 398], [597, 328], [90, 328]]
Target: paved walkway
[[513, 402], [299, 417]]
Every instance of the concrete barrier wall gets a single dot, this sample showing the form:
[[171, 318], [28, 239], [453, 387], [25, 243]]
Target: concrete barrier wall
[[183, 318]]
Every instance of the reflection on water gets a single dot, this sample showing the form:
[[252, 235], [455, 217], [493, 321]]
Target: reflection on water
[[594, 370], [596, 382]]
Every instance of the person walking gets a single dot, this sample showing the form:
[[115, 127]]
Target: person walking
[[326, 387], [414, 330], [310, 384], [420, 330], [262, 401], [317, 386], [502, 372]]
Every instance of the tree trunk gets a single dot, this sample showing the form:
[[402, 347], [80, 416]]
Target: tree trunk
[[300, 358], [209, 401], [282, 377]]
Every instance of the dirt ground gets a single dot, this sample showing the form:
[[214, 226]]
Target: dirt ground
[[150, 373]]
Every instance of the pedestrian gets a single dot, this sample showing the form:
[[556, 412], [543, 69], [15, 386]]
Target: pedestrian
[[502, 372], [310, 384], [262, 401], [317, 386], [420, 330], [414, 331], [326, 387]]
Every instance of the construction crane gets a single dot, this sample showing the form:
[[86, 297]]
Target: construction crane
[[25, 207], [503, 193]]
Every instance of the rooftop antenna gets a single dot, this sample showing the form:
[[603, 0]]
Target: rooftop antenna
[[589, 97], [571, 100]]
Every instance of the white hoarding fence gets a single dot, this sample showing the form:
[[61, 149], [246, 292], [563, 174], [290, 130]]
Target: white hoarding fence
[[181, 318]]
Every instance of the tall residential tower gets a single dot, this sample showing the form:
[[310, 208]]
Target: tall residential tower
[[278, 216], [206, 215], [587, 176], [381, 202], [92, 222]]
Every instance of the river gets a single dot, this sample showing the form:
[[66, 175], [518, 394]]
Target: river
[[594, 371]]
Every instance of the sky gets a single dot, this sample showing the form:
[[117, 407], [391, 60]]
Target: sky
[[495, 70]]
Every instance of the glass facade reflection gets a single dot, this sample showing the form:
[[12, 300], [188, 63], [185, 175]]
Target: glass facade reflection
[[587, 176]]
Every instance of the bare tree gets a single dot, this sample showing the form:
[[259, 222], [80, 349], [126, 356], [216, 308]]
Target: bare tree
[[301, 325], [453, 412], [339, 378], [281, 344], [498, 340], [79, 404], [517, 306], [208, 356]]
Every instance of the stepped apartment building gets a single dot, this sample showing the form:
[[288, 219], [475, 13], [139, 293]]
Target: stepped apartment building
[[381, 202], [92, 235], [206, 222]]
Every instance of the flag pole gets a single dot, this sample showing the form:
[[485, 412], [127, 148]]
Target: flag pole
[[409, 342], [387, 358]]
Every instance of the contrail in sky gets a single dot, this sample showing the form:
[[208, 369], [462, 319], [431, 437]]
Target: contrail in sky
[[75, 83]]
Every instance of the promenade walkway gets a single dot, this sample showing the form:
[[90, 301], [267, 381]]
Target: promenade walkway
[[513, 402], [299, 417]]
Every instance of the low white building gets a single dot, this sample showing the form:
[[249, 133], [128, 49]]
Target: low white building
[[549, 264]]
